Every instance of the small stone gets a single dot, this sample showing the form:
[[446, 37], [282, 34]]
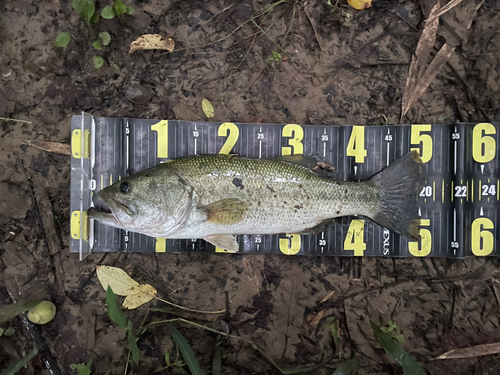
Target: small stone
[[138, 94], [315, 81]]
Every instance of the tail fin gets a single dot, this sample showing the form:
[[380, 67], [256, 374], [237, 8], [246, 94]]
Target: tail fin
[[399, 184]]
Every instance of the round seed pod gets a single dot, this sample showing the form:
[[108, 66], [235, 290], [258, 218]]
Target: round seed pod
[[42, 313]]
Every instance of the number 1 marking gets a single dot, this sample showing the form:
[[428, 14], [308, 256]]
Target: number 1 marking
[[161, 129]]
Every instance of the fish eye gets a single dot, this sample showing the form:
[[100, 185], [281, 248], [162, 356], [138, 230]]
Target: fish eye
[[124, 187]]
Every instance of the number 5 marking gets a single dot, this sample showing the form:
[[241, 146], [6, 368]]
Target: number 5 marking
[[296, 134], [423, 140], [425, 241], [232, 137]]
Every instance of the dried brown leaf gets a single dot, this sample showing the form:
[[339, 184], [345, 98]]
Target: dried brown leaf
[[152, 41], [328, 296], [58, 148], [419, 60], [452, 4], [140, 295], [319, 39], [472, 351], [312, 320], [434, 68], [496, 289]]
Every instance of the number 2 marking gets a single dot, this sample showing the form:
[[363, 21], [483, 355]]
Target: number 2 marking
[[231, 131]]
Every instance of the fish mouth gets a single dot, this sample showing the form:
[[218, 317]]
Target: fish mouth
[[113, 214]]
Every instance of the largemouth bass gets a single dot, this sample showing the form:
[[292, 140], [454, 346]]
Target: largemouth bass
[[215, 197]]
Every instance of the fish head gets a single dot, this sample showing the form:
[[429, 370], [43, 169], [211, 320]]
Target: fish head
[[150, 202]]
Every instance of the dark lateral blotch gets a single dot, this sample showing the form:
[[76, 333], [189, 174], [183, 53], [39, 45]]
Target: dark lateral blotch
[[238, 182]]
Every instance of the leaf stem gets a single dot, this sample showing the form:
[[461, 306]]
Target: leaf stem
[[191, 310]]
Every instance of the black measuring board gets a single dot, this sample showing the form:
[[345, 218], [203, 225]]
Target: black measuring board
[[459, 205]]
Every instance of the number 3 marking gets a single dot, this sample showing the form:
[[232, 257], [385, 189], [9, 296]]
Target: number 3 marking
[[296, 134]]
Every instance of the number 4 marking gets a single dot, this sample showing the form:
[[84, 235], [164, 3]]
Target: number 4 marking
[[355, 238], [356, 145]]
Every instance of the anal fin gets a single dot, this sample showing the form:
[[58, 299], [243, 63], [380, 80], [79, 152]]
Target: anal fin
[[224, 241]]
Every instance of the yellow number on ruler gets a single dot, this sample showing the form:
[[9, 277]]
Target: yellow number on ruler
[[161, 139], [296, 134], [160, 245], [482, 241], [76, 144], [356, 145], [423, 140], [483, 146], [232, 137], [291, 244], [425, 241], [75, 225], [355, 238]]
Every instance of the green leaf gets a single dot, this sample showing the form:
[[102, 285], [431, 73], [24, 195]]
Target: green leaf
[[88, 11], [186, 350], [167, 358], [106, 38], [15, 367], [108, 12], [78, 5], [1, 331], [95, 18], [130, 11], [83, 368], [9, 331], [345, 368], [97, 45], [63, 39], [216, 361], [132, 344], [400, 356], [113, 65], [333, 323], [114, 311], [120, 7], [7, 312]]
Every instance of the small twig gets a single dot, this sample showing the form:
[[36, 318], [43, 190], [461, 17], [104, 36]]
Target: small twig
[[126, 365], [191, 310], [6, 119]]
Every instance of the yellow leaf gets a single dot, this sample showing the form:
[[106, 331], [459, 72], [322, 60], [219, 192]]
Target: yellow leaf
[[208, 108], [152, 41], [360, 4], [121, 283], [139, 296]]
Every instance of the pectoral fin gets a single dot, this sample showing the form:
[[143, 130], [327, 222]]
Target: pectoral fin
[[227, 211], [224, 241]]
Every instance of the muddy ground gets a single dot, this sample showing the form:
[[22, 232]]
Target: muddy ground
[[352, 72]]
